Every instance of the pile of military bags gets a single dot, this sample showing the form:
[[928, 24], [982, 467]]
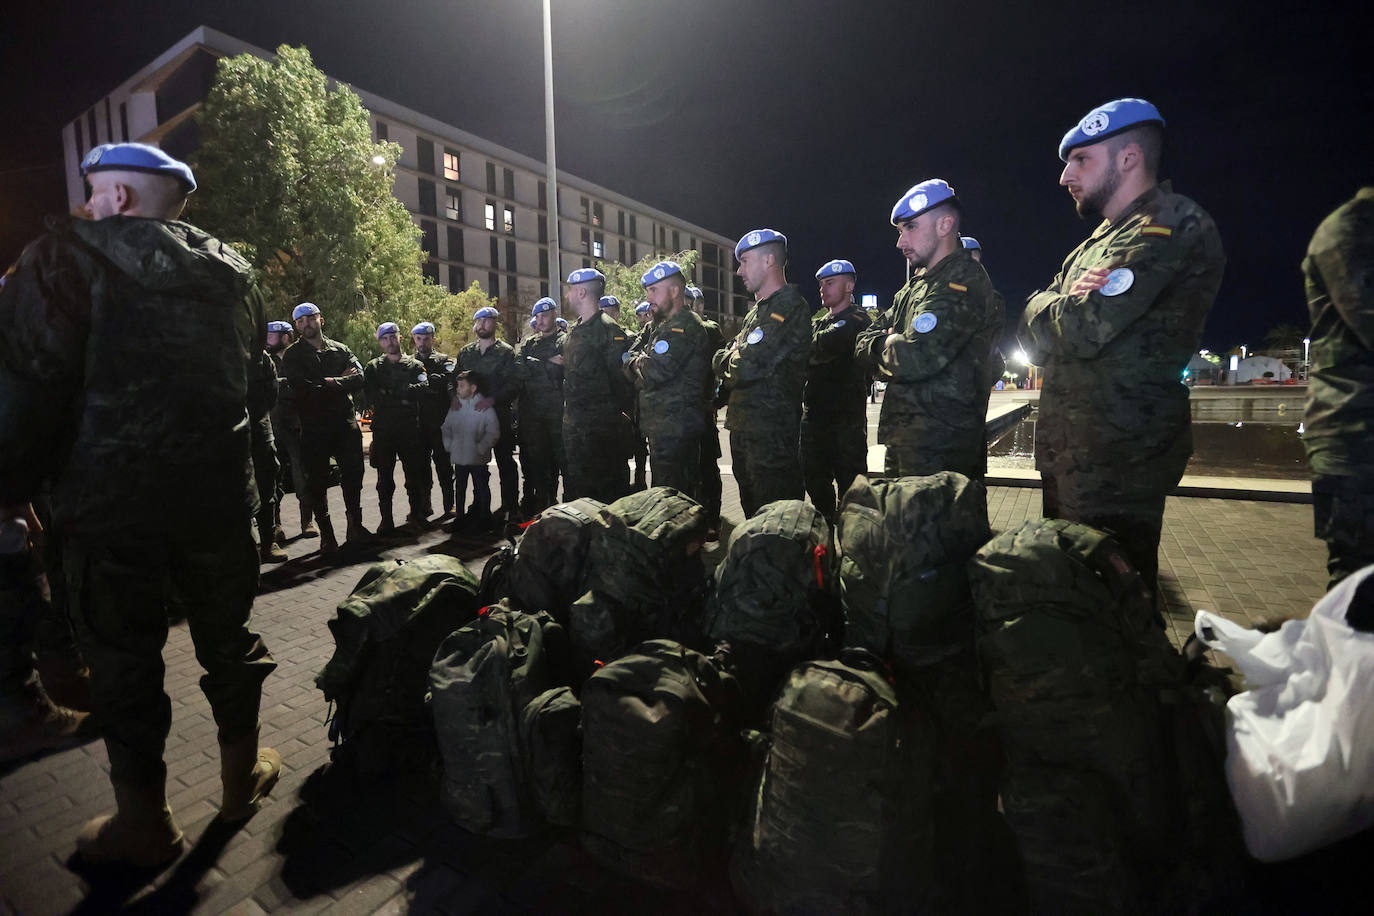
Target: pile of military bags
[[832, 719]]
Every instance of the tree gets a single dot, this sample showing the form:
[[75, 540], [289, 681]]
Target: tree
[[1284, 337], [290, 176], [623, 282]]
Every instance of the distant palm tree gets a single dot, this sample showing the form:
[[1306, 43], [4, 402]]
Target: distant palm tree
[[1285, 337]]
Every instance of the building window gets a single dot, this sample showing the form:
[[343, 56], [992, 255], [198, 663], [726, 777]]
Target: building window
[[90, 127], [709, 252], [620, 226], [508, 220], [493, 284], [634, 231], [510, 256], [490, 215], [508, 182], [586, 204], [424, 155], [512, 292], [622, 251], [427, 206], [634, 251], [431, 272], [124, 122], [544, 263], [662, 238], [586, 262], [677, 241], [455, 279], [544, 289], [710, 276], [453, 203], [495, 252], [450, 165], [109, 123], [598, 246], [491, 177], [598, 214], [543, 197], [455, 244], [586, 241], [429, 239], [543, 229], [381, 131]]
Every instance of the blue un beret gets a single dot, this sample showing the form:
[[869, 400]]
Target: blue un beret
[[563, 323], [693, 292], [1107, 120], [643, 307], [660, 271], [835, 268], [970, 243], [756, 237], [305, 308], [543, 305], [279, 327], [485, 311], [137, 157], [586, 275], [531, 321], [610, 302], [387, 327], [423, 327], [921, 197]]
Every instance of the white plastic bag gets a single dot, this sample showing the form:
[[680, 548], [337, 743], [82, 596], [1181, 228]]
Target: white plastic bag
[[1300, 739]]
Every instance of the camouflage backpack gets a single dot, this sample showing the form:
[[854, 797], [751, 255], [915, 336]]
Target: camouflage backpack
[[551, 732], [659, 745], [482, 678], [645, 575], [1086, 688], [903, 548], [776, 600], [549, 568], [838, 820], [385, 633]]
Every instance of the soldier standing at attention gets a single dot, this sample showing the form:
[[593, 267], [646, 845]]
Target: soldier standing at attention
[[671, 375], [262, 397], [324, 373], [433, 409], [492, 364], [834, 435], [540, 361], [86, 417], [286, 427], [597, 397], [396, 384], [764, 371], [710, 436], [1115, 329], [934, 346], [644, 314], [1339, 268]]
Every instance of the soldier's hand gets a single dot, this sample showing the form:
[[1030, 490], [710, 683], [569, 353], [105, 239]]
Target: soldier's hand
[[556, 360], [1091, 280], [331, 383], [352, 371], [891, 340]]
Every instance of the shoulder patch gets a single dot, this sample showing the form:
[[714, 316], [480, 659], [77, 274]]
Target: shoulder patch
[[776, 317], [677, 330], [618, 337], [958, 287], [1162, 232], [925, 322]]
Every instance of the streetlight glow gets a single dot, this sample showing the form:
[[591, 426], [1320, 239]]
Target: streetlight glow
[[379, 160]]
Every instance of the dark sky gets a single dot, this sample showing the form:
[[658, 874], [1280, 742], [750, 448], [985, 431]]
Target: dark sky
[[808, 117]]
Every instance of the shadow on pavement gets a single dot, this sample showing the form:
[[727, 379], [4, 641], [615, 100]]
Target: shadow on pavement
[[113, 887]]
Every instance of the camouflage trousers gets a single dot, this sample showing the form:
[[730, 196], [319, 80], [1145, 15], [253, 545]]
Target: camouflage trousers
[[266, 467], [437, 456], [407, 446], [1132, 511], [1343, 516], [833, 453], [767, 466], [120, 590], [541, 460], [709, 474], [343, 442], [597, 458], [913, 458], [675, 461]]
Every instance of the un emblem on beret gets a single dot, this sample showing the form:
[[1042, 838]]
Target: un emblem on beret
[[755, 238], [1095, 123], [658, 273], [917, 203]]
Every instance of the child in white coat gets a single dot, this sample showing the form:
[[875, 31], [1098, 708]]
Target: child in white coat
[[469, 435]]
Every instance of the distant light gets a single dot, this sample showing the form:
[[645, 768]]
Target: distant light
[[1021, 357], [870, 301], [1235, 362], [1306, 341], [379, 160]]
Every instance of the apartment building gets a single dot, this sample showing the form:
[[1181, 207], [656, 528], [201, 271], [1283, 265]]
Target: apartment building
[[482, 209]]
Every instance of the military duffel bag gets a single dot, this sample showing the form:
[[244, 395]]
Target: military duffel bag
[[549, 568], [551, 733]]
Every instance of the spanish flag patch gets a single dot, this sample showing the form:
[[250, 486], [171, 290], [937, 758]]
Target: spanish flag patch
[[959, 287], [776, 317], [676, 330], [1162, 232]]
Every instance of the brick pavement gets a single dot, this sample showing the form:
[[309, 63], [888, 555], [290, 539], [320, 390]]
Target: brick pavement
[[323, 844]]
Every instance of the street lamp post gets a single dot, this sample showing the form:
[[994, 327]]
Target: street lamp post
[[555, 271], [1306, 362]]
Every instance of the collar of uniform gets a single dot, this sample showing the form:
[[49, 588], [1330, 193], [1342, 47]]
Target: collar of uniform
[[786, 287], [1164, 187]]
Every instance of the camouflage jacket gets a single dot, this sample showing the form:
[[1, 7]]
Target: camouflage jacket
[[439, 372], [595, 389], [305, 369], [1114, 358], [836, 382], [541, 381], [124, 371], [765, 368], [1340, 297], [495, 372], [262, 387], [284, 416], [672, 376], [938, 368], [394, 390]]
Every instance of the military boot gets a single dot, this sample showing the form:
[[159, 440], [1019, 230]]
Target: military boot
[[387, 526], [308, 529], [248, 773], [356, 533], [66, 679], [31, 722], [268, 551], [140, 833], [328, 544], [278, 532]]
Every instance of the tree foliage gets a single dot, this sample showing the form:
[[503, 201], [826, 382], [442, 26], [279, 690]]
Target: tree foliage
[[1285, 337], [290, 176], [623, 282]]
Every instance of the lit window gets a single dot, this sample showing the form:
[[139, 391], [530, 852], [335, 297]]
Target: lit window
[[450, 165], [453, 204], [598, 250], [491, 216], [509, 219]]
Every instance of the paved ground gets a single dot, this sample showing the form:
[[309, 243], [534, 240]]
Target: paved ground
[[324, 844]]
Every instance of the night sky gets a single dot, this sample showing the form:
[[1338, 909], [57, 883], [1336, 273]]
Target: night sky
[[804, 116]]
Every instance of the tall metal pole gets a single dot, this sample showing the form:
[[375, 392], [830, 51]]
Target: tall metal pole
[[555, 271]]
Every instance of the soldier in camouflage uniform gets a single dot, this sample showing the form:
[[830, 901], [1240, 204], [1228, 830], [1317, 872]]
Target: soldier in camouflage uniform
[[539, 359], [439, 368], [1114, 331], [671, 375], [286, 429], [492, 363], [395, 385], [710, 436], [934, 346], [1340, 396], [644, 314], [597, 396], [151, 487], [764, 370], [262, 397], [834, 435], [323, 375]]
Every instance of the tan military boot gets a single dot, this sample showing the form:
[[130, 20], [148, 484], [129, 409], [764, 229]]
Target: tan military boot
[[140, 833], [248, 773], [328, 543], [308, 529], [33, 723], [356, 533]]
